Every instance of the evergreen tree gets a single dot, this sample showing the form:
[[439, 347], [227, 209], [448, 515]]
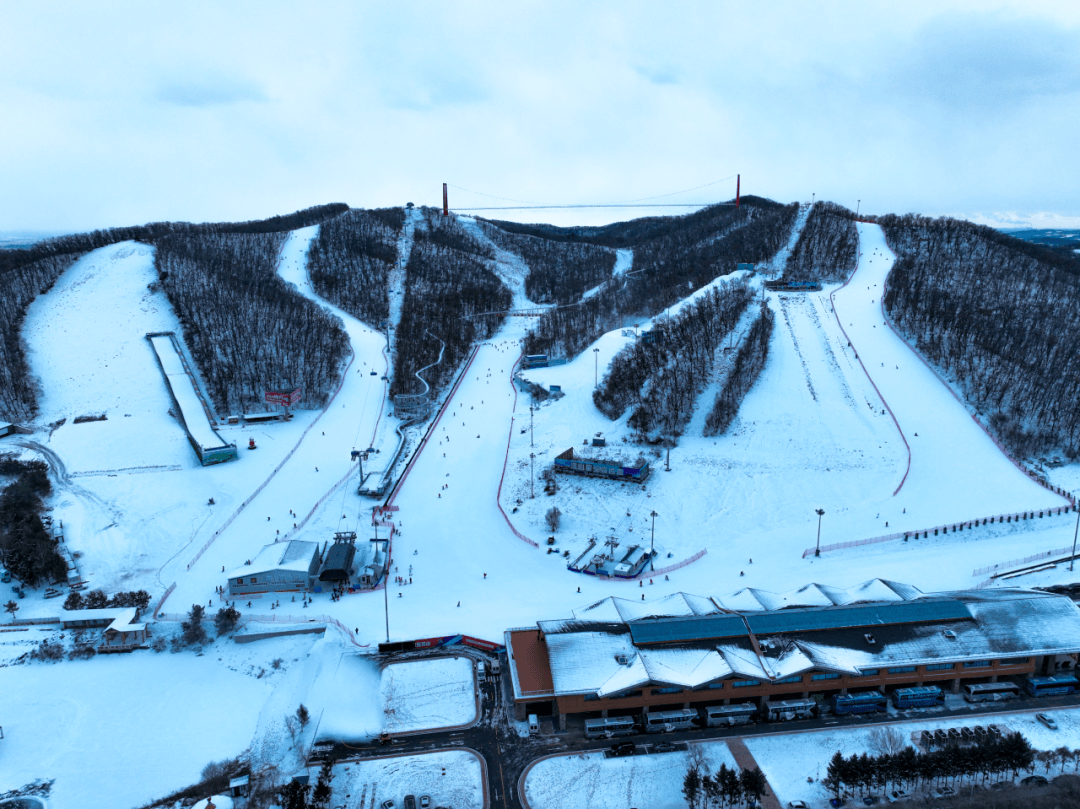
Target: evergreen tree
[[96, 600], [753, 783], [691, 787], [834, 774], [303, 716], [74, 601], [294, 795], [713, 787], [320, 796], [226, 619], [192, 628]]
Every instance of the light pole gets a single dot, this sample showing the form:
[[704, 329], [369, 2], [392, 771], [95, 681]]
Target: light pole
[[532, 475], [1073, 560], [596, 367], [817, 550], [532, 409], [652, 542], [812, 200], [858, 204]]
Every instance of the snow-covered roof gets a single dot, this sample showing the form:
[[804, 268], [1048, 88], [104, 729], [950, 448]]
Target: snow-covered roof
[[294, 554], [874, 625], [121, 619]]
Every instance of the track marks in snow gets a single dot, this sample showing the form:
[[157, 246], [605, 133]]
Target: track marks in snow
[[795, 341]]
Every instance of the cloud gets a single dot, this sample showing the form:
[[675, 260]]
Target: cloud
[[209, 92]]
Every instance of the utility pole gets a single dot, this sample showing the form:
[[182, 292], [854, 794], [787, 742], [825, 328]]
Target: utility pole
[[532, 475], [596, 367], [858, 204], [532, 408], [812, 196], [1073, 560], [652, 542], [817, 550], [667, 462]]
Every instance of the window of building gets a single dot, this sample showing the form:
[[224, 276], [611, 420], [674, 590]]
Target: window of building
[[745, 683], [976, 664], [901, 669], [940, 666], [709, 686], [239, 581], [1015, 661], [828, 675], [591, 698], [869, 673], [668, 689], [797, 678], [627, 695]]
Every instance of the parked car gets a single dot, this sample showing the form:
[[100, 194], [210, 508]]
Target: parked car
[[1046, 720], [896, 795], [836, 802], [870, 800], [1034, 781], [388, 804], [664, 747], [797, 805], [410, 802], [624, 749], [944, 792], [425, 801]]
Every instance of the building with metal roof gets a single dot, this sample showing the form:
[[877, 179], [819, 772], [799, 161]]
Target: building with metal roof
[[688, 651], [280, 567]]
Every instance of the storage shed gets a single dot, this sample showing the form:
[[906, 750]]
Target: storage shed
[[279, 568]]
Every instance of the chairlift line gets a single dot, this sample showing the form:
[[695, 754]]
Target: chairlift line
[[603, 205]]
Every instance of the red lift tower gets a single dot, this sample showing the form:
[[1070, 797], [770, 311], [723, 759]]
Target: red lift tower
[[445, 204]]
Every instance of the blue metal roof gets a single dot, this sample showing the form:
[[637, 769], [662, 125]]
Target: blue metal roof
[[863, 615], [686, 630], [715, 627]]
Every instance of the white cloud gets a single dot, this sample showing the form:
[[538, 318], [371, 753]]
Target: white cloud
[[122, 114]]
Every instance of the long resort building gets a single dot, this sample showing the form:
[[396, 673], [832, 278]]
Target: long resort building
[[620, 657]]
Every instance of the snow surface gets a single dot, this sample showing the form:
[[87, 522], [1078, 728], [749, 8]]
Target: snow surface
[[122, 730], [453, 778], [591, 781], [428, 694], [788, 759], [811, 434]]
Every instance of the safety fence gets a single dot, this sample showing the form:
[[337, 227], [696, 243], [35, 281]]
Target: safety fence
[[277, 468], [506, 458], [832, 302], [161, 602], [925, 533], [645, 574], [34, 621], [1035, 557]]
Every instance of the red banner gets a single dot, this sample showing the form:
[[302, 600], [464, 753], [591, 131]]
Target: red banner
[[282, 397]]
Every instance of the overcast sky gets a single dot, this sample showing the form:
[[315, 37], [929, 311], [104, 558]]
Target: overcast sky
[[122, 113]]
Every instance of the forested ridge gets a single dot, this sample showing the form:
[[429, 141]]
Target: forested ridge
[[448, 279], [1000, 316], [559, 271], [27, 273], [661, 374], [248, 331], [667, 268], [828, 247], [350, 260]]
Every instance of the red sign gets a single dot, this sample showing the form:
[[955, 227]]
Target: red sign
[[282, 397]]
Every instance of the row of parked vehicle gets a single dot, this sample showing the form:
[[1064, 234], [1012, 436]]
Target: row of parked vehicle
[[410, 803]]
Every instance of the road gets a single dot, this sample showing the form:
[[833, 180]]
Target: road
[[508, 755]]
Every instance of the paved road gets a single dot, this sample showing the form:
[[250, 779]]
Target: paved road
[[508, 755]]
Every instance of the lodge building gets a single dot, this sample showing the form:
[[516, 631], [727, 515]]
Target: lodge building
[[621, 657]]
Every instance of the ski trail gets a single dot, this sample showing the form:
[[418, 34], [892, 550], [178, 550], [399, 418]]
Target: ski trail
[[777, 265]]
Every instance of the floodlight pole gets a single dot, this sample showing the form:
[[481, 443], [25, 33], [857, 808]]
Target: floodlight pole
[[1072, 561], [817, 549], [858, 204], [596, 367], [386, 583], [532, 408], [652, 542], [532, 475]]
